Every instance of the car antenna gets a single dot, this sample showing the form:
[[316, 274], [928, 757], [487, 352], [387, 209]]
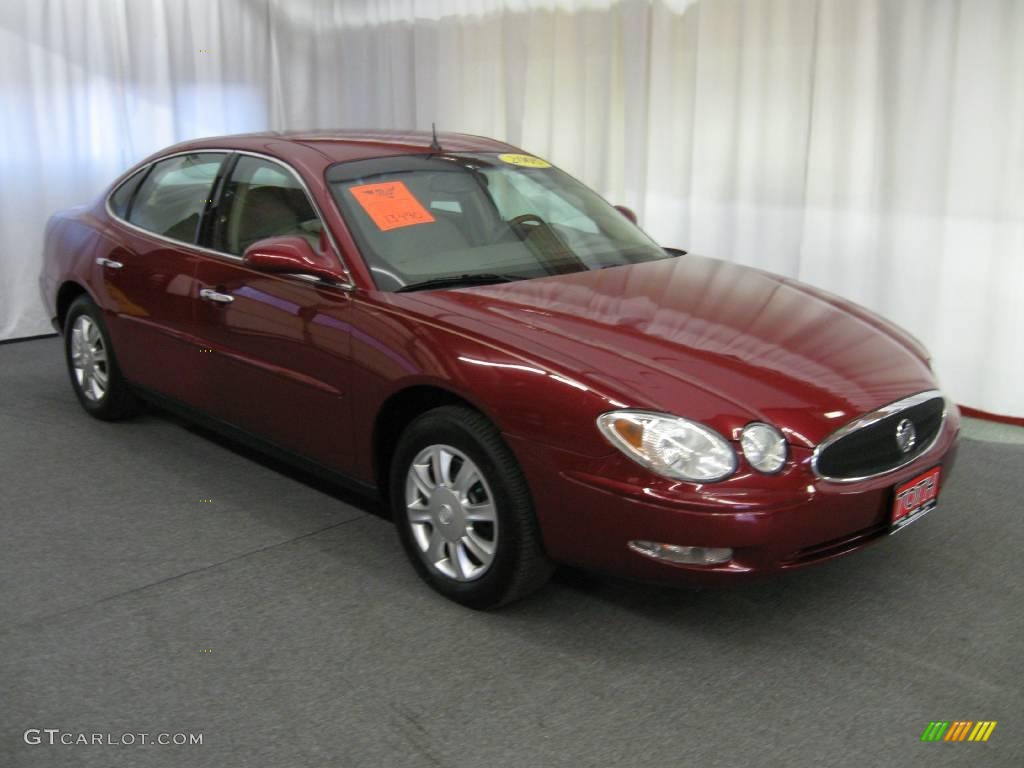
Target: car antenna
[[434, 145]]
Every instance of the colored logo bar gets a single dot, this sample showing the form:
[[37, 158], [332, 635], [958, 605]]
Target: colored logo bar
[[958, 730]]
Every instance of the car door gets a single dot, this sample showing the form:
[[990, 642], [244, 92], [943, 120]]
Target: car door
[[146, 264], [278, 365]]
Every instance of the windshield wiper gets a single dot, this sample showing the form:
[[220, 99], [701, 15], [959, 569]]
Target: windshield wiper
[[452, 281]]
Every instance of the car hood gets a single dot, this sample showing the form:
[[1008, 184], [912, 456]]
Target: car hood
[[701, 338]]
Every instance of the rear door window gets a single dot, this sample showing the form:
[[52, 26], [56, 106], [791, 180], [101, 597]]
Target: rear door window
[[172, 199]]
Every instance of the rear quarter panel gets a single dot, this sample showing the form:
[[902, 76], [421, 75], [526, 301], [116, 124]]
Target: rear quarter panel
[[69, 247]]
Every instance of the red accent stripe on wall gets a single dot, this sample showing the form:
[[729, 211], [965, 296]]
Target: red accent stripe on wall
[[976, 414]]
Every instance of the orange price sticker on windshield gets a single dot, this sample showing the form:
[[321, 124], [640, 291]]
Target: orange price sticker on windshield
[[391, 205]]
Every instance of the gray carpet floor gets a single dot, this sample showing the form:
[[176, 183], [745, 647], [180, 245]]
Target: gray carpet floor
[[280, 620]]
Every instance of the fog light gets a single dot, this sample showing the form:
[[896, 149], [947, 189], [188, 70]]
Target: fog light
[[674, 553]]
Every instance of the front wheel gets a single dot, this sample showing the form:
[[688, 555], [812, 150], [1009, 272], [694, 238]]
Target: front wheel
[[463, 511], [95, 377]]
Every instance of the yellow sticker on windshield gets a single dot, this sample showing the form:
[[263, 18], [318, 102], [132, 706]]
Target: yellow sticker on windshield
[[526, 161]]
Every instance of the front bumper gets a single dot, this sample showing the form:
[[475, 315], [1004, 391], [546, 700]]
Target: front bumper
[[589, 510]]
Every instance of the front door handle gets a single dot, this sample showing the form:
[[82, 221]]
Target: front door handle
[[103, 262], [211, 295]]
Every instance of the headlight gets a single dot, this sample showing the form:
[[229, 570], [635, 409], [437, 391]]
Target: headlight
[[764, 447], [670, 446]]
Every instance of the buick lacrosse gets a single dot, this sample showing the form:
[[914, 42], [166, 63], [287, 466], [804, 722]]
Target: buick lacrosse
[[509, 362]]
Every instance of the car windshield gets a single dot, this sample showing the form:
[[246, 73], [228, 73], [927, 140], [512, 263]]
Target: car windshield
[[445, 220]]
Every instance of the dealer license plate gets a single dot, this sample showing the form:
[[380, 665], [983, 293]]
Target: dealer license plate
[[915, 498]]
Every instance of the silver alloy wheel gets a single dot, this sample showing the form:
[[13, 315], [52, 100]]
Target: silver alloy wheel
[[89, 358], [451, 512]]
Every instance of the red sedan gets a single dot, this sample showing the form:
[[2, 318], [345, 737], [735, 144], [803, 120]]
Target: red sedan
[[508, 361]]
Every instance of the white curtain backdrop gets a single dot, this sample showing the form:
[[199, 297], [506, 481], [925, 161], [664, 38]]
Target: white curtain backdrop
[[871, 147]]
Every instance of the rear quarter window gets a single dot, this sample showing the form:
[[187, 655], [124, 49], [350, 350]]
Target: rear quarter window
[[122, 196]]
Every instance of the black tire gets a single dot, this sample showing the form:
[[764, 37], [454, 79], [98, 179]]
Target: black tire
[[519, 565], [117, 401]]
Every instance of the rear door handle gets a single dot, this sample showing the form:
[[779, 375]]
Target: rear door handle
[[211, 295], [103, 262]]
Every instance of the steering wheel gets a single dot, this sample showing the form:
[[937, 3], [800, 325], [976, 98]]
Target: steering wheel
[[515, 224]]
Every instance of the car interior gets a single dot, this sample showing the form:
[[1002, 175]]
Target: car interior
[[258, 212]]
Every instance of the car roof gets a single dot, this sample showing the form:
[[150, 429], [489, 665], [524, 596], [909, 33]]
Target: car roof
[[340, 146]]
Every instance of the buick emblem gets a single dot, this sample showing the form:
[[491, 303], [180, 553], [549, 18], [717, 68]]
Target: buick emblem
[[906, 435]]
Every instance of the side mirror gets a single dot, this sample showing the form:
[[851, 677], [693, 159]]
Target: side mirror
[[627, 212], [291, 255]]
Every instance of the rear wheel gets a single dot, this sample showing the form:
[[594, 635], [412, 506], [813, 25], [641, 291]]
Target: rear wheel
[[463, 512], [95, 377]]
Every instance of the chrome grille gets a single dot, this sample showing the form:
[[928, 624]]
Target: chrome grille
[[868, 445]]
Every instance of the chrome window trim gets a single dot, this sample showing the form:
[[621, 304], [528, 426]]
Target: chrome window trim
[[862, 422], [349, 285]]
